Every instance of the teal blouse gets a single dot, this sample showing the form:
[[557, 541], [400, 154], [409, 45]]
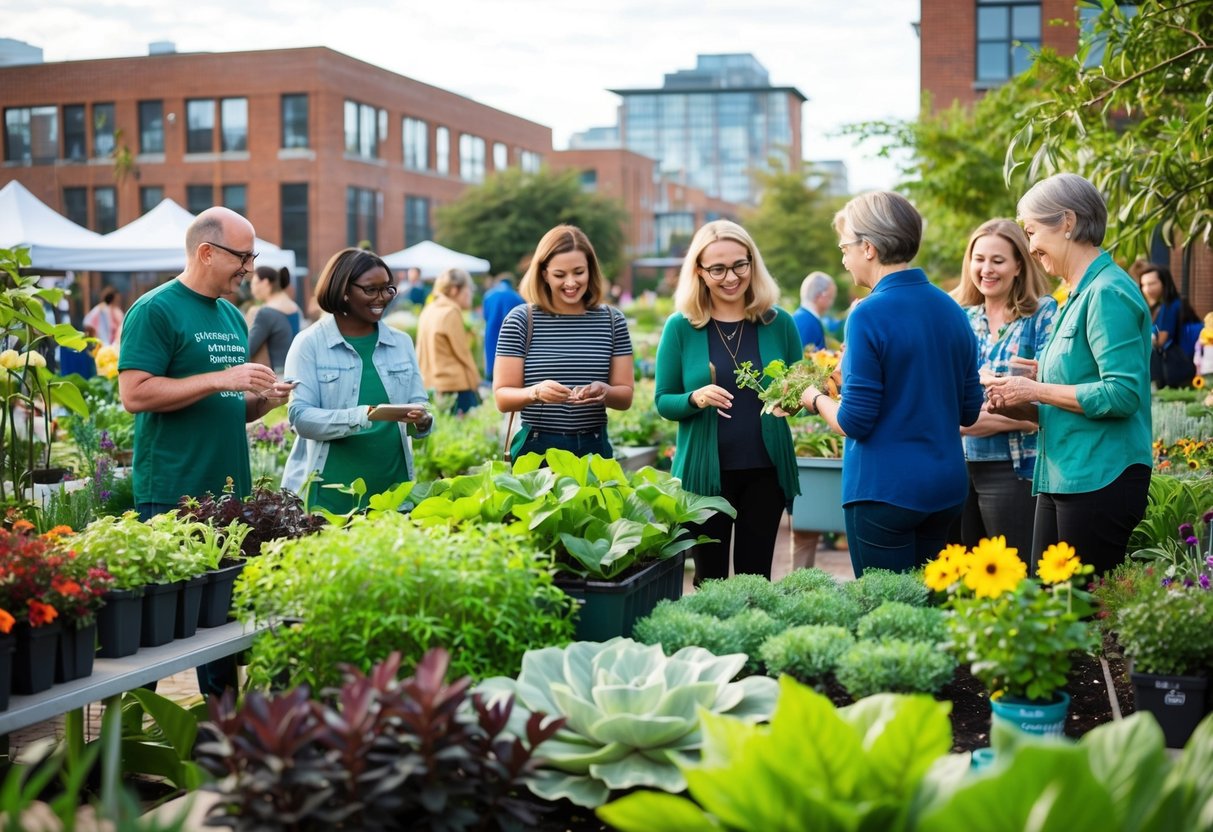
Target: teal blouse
[[1100, 345]]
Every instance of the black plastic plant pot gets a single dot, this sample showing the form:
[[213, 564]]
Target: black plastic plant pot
[[1177, 702], [120, 623], [159, 613], [7, 644], [32, 673], [611, 608], [77, 649], [217, 595], [189, 603]]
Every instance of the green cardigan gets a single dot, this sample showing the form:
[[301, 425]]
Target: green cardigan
[[683, 366]]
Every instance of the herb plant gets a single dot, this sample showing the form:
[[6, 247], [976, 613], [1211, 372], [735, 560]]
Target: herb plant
[[808, 654], [789, 381], [892, 666], [876, 586], [898, 620], [1169, 631]]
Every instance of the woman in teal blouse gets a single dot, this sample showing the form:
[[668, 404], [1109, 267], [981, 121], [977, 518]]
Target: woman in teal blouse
[[1091, 396], [728, 314]]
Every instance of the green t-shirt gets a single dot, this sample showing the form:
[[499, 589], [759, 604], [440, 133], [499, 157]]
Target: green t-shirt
[[173, 331], [375, 454]]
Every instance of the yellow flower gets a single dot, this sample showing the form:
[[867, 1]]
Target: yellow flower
[[1198, 382], [9, 359], [1062, 293], [994, 568], [941, 573], [1058, 563], [33, 359], [107, 362]]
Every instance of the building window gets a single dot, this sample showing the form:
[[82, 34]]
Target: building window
[[362, 129], [417, 220], [236, 198], [529, 161], [31, 135], [471, 158], [501, 156], [75, 205], [151, 126], [103, 131], [199, 197], [200, 125], [442, 151], [360, 204], [1007, 31], [294, 222], [589, 180], [105, 210], [74, 132], [233, 125], [149, 197], [294, 121], [415, 135]]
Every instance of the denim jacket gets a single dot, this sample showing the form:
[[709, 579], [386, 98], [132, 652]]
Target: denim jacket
[[324, 405]]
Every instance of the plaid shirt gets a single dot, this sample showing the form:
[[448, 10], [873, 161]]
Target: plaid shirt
[[1023, 337]]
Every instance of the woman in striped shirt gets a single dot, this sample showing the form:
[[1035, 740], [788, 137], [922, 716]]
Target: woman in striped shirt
[[563, 357]]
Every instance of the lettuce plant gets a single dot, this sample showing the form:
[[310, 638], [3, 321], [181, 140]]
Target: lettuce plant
[[633, 714]]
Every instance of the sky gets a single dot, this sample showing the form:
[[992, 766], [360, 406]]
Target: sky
[[548, 61]]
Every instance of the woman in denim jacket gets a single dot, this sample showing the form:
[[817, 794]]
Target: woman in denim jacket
[[347, 365]]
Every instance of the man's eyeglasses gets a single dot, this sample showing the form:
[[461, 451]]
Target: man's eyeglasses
[[843, 246], [244, 256], [385, 291], [717, 271]]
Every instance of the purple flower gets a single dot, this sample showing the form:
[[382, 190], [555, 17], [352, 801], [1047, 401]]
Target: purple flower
[[1207, 516], [1187, 583], [1204, 581], [105, 443], [1191, 541], [1186, 530], [1209, 561], [1167, 581], [105, 495]]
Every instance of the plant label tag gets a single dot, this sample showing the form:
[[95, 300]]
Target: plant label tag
[[1175, 698]]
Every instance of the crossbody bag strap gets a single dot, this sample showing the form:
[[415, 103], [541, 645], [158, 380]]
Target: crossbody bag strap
[[509, 425]]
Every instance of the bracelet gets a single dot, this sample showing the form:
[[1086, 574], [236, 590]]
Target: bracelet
[[816, 409], [535, 393]]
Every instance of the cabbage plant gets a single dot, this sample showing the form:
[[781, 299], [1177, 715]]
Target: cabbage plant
[[633, 714]]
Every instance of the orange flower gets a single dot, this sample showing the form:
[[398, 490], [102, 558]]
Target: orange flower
[[23, 526], [59, 531], [40, 613], [65, 586], [6, 622]]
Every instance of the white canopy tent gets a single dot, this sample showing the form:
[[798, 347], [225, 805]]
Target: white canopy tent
[[54, 241], [433, 259]]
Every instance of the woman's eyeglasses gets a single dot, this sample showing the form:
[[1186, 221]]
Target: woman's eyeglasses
[[717, 271], [386, 291]]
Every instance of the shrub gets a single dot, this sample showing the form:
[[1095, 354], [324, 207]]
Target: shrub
[[876, 586], [1126, 584], [902, 622], [457, 443], [806, 580], [745, 633], [674, 625], [1169, 631], [806, 653], [382, 584], [821, 607], [895, 667], [727, 597]]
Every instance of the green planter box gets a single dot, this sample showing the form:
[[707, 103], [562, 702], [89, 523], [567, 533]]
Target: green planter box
[[609, 608], [819, 506]]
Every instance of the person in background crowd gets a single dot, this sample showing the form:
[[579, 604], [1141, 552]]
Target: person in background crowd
[[278, 319], [444, 350], [1091, 392], [348, 364], [1006, 296], [1169, 361], [419, 287], [564, 357], [184, 372], [727, 314], [909, 374], [104, 321], [817, 294], [498, 301]]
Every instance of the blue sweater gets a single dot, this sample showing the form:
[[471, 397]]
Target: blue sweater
[[909, 381]]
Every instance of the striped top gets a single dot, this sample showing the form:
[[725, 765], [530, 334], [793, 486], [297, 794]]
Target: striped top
[[571, 349]]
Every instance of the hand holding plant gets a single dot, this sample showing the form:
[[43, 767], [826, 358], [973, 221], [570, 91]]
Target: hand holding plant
[[788, 382]]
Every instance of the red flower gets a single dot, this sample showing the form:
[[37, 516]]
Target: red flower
[[40, 613], [65, 586]]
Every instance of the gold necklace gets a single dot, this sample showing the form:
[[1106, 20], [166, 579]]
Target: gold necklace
[[727, 340]]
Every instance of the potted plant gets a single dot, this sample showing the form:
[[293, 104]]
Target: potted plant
[[1016, 634], [30, 569], [617, 538], [78, 593]]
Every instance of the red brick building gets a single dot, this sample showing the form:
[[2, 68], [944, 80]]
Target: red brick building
[[318, 149]]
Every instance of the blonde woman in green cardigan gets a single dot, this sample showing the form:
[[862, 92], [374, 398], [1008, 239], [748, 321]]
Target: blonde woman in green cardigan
[[727, 313]]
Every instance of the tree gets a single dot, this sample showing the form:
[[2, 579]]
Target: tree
[[793, 227], [503, 219], [1138, 123]]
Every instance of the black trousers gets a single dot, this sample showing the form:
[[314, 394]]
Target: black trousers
[[760, 503], [1096, 523], [999, 503]]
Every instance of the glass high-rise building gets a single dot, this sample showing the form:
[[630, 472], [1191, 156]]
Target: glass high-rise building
[[711, 126]]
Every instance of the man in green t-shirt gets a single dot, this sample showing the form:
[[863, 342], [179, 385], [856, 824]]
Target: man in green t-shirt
[[183, 372]]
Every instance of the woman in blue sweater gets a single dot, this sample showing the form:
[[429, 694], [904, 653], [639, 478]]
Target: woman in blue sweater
[[909, 377]]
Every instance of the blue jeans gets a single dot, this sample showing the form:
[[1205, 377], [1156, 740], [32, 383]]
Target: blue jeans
[[530, 440], [884, 536]]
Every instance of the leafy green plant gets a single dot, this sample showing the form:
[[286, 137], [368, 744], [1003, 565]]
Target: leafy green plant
[[387, 754], [269, 514], [1172, 502], [812, 437], [162, 550], [808, 653], [457, 444], [1169, 631], [594, 519], [167, 749], [640, 424], [863, 769], [787, 382], [674, 625], [893, 666], [803, 580], [632, 713], [726, 597], [820, 607], [876, 586], [382, 584], [901, 621], [1126, 584]]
